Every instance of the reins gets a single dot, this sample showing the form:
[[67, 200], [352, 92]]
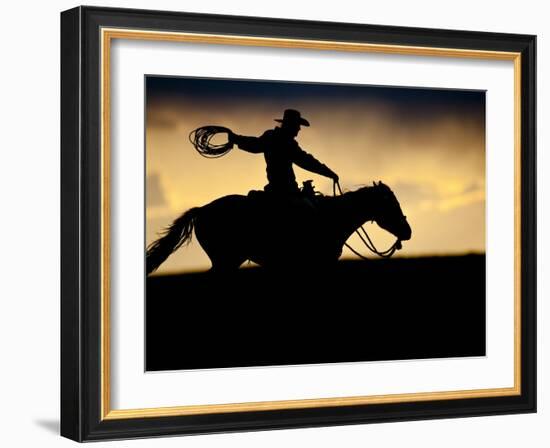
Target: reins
[[202, 139], [366, 238]]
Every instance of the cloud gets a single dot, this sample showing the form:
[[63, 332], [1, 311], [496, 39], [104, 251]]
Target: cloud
[[414, 193], [155, 194], [433, 158], [438, 196], [160, 117]]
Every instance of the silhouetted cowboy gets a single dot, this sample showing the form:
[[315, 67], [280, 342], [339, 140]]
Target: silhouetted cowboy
[[281, 150]]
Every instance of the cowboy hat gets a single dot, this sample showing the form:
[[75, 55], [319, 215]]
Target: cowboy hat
[[292, 116]]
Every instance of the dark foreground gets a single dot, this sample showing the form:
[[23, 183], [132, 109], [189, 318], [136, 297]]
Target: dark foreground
[[361, 311]]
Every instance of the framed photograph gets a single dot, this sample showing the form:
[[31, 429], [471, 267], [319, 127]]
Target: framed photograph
[[274, 223]]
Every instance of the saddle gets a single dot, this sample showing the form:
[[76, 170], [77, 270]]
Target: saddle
[[306, 197], [287, 211]]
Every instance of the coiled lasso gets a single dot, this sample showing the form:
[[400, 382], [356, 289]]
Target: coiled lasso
[[201, 139]]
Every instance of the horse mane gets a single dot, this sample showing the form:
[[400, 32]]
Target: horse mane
[[373, 194], [376, 187], [363, 189]]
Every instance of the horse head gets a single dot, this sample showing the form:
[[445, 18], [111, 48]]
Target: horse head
[[388, 214]]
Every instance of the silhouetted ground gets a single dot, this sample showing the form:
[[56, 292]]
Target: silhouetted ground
[[383, 309]]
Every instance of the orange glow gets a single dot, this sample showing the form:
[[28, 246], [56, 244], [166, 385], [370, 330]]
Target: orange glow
[[435, 167]]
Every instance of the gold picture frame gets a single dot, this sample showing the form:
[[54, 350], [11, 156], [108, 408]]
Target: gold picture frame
[[88, 48]]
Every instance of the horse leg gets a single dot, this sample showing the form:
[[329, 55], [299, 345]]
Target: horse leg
[[223, 255], [224, 245]]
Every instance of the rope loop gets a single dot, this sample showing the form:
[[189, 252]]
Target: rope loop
[[201, 139]]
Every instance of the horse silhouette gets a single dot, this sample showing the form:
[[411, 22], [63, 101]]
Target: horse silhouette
[[278, 232]]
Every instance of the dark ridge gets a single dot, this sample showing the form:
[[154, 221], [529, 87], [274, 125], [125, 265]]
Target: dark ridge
[[384, 309]]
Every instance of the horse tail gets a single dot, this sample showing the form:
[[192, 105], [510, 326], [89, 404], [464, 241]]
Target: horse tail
[[180, 232]]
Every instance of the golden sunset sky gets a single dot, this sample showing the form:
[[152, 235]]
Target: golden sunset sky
[[428, 145]]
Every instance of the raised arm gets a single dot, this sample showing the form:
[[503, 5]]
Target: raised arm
[[308, 162], [246, 143]]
